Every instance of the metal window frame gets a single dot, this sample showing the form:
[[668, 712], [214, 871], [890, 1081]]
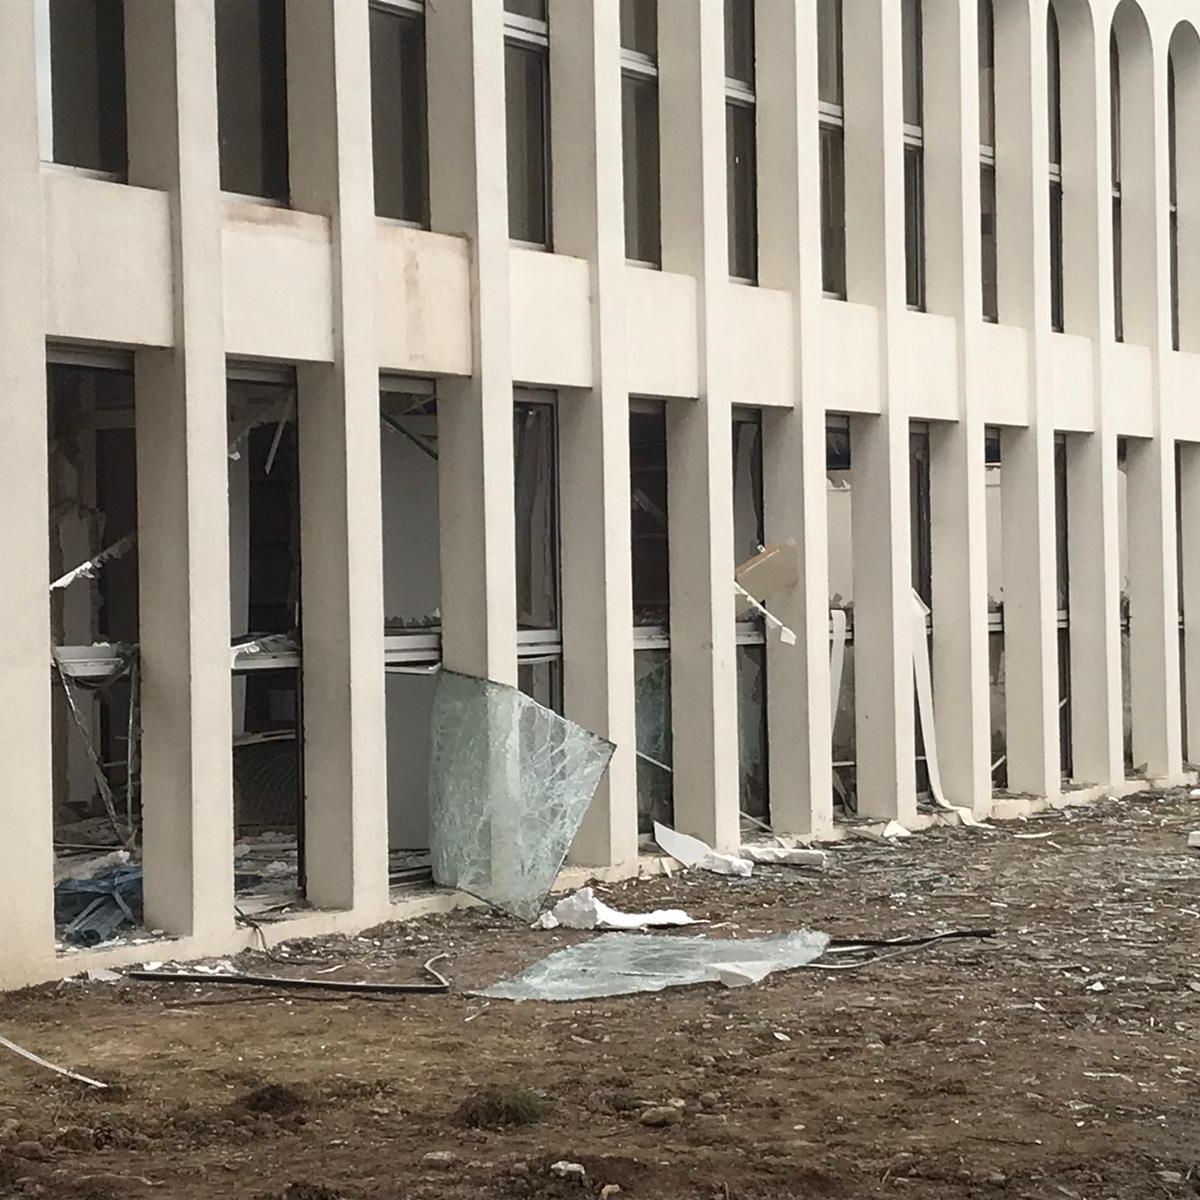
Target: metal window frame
[[540, 638]]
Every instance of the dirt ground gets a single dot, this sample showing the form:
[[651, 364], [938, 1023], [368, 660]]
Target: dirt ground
[[1058, 1060]]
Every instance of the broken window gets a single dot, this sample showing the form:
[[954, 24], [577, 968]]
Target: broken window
[[94, 622], [535, 478], [1063, 579], [412, 610], [399, 124], [252, 97], [1123, 451], [265, 623], [751, 649], [651, 611], [838, 502], [82, 65]]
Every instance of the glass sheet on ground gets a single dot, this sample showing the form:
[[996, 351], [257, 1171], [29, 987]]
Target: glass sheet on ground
[[619, 964], [509, 784]]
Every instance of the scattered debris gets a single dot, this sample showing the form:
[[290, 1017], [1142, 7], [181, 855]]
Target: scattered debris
[[584, 910], [619, 964], [442, 1159], [790, 856], [1194, 839], [502, 1106], [664, 1114], [692, 852], [893, 830], [88, 569], [285, 982], [41, 1062], [569, 1170], [91, 910]]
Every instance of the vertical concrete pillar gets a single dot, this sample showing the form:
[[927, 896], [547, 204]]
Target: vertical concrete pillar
[[585, 78], [468, 190], [699, 433], [183, 479], [26, 850], [1092, 459], [959, 515], [1028, 500], [345, 768], [799, 718], [883, 675], [1153, 582]]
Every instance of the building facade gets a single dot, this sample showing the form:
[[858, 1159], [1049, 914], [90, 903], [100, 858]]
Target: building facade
[[518, 324]]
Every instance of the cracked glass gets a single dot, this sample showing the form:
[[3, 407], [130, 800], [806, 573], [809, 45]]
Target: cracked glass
[[509, 784]]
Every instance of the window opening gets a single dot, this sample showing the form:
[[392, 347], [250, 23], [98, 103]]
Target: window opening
[[252, 97], [987, 160], [1114, 65], [838, 510], [751, 649], [651, 613], [527, 120], [832, 132], [1173, 209], [399, 119], [94, 624], [266, 625], [1054, 82], [535, 474], [640, 131], [412, 614], [81, 52], [741, 167], [914, 154]]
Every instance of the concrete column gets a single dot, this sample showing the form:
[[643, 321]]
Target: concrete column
[[345, 764], [1028, 498], [26, 850], [1153, 582], [468, 192], [959, 515], [1092, 459], [699, 432], [799, 720], [183, 479], [585, 77], [883, 675]]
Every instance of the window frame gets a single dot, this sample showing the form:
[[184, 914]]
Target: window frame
[[914, 151], [989, 296], [637, 64], [831, 119], [530, 34]]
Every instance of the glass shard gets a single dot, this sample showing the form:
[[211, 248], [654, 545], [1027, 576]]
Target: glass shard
[[509, 784]]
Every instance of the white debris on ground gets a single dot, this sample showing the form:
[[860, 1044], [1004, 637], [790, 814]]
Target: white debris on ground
[[692, 852], [585, 910]]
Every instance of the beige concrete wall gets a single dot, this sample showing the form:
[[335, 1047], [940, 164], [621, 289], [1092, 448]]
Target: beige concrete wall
[[168, 267]]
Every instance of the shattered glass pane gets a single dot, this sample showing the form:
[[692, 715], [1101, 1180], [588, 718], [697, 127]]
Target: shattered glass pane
[[509, 784], [618, 964], [652, 717]]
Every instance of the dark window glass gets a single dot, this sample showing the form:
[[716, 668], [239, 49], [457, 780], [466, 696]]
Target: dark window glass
[[1114, 107], [987, 230], [1054, 85], [833, 211], [639, 26], [739, 41], [639, 116], [1174, 234], [398, 120], [829, 51], [1057, 309], [910, 14], [987, 74], [534, 9], [87, 73], [914, 226], [648, 508], [1173, 169], [920, 514], [535, 477], [526, 94], [740, 190], [252, 97], [1118, 272]]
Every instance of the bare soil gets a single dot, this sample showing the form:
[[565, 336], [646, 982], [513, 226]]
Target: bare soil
[[1059, 1060]]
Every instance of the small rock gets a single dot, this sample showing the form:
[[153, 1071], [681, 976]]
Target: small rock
[[662, 1115], [10, 1129], [709, 1099], [520, 1168], [1194, 839], [34, 1151], [997, 1178], [677, 1102], [1170, 1176], [569, 1170], [610, 1189], [442, 1159], [78, 1138]]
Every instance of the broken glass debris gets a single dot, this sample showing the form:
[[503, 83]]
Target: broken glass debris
[[509, 784], [619, 964]]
